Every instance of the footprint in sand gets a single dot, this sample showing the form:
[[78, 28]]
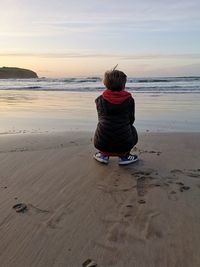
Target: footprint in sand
[[114, 189], [141, 201], [194, 173], [172, 195], [176, 171], [142, 186], [59, 217], [55, 221], [183, 188], [132, 223], [142, 172], [110, 253], [150, 152], [140, 228]]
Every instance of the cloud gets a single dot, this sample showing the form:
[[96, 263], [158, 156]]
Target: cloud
[[105, 55], [97, 16], [181, 70], [145, 17]]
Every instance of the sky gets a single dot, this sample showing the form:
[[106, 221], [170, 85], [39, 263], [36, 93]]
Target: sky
[[87, 37]]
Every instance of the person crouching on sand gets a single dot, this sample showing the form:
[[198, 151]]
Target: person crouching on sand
[[115, 134]]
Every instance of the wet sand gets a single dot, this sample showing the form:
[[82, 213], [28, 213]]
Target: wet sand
[[40, 112], [145, 214]]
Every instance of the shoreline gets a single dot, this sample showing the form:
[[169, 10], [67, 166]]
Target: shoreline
[[144, 214]]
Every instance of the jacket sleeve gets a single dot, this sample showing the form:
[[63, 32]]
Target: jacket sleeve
[[132, 110]]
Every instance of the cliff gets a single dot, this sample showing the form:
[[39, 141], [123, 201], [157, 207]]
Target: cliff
[[16, 73]]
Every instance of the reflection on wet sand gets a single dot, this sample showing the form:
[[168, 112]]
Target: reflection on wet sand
[[40, 111]]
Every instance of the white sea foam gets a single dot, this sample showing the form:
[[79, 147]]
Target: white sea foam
[[94, 84]]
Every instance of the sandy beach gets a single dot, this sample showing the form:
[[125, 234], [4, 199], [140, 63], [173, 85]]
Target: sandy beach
[[145, 214]]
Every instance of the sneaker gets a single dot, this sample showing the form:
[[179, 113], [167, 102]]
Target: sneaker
[[125, 160], [101, 158]]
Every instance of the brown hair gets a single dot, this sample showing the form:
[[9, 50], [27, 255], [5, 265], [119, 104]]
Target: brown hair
[[115, 80]]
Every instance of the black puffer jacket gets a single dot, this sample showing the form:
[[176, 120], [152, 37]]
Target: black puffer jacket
[[115, 132]]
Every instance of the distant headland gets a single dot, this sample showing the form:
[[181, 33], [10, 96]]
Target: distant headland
[[16, 73]]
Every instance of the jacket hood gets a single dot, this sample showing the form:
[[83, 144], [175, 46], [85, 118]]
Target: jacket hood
[[115, 97]]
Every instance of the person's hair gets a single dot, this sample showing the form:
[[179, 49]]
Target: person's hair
[[115, 80]]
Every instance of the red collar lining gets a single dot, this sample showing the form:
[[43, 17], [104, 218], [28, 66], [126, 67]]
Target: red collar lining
[[115, 97]]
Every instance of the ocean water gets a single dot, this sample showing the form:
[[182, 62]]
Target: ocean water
[[67, 104], [92, 84]]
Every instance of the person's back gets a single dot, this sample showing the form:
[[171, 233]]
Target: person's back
[[115, 134]]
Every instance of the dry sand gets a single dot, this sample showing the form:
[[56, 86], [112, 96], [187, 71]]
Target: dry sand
[[79, 209]]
